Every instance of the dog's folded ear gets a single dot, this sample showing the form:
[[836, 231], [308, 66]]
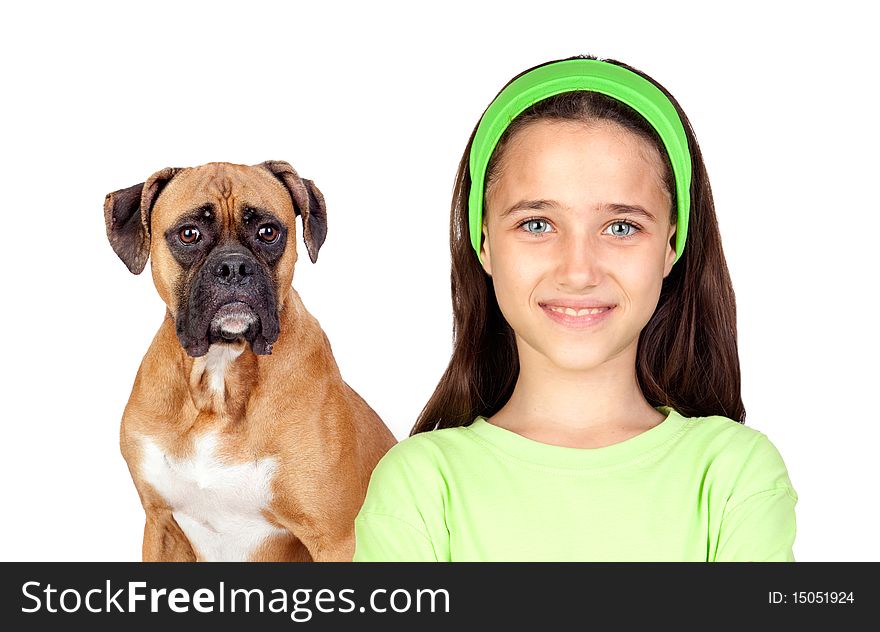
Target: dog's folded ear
[[308, 202], [127, 217]]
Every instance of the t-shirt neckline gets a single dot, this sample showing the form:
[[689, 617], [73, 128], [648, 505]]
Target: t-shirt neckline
[[555, 455]]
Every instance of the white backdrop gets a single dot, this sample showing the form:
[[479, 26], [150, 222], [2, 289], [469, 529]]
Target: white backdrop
[[375, 103]]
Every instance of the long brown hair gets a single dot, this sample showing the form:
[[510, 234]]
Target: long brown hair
[[687, 353]]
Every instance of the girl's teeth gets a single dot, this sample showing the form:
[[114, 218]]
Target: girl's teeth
[[580, 312]]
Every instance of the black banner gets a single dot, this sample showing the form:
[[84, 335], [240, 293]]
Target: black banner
[[430, 595]]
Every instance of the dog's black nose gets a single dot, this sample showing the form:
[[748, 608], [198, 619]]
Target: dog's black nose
[[233, 269]]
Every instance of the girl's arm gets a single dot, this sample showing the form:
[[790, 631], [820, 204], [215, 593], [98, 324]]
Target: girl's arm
[[384, 538], [760, 528], [403, 516], [758, 523]]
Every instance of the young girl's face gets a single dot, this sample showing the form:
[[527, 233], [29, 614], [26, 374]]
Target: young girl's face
[[558, 234]]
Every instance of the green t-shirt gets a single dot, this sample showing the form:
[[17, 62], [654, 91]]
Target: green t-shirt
[[688, 489]]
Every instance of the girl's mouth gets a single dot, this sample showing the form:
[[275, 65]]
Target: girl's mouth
[[577, 318]]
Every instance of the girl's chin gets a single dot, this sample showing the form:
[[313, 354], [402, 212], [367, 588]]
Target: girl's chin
[[574, 357], [577, 365], [572, 354]]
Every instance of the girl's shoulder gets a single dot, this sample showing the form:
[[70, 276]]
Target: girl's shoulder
[[426, 451], [427, 448], [740, 454], [722, 434], [413, 472]]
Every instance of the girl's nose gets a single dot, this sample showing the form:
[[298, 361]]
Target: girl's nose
[[579, 263]]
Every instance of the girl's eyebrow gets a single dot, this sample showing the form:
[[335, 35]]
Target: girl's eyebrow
[[607, 208]]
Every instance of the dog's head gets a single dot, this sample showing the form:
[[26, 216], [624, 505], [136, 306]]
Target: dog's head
[[221, 238]]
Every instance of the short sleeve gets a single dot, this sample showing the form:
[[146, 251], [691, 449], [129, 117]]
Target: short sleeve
[[759, 523], [381, 538], [761, 528], [403, 516]]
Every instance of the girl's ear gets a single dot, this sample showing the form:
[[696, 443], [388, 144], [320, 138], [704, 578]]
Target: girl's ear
[[670, 251], [485, 256]]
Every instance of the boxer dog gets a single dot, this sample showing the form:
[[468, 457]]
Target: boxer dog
[[243, 440]]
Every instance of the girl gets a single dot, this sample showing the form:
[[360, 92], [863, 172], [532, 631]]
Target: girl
[[591, 410]]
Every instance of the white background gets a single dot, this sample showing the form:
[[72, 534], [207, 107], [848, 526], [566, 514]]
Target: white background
[[375, 102]]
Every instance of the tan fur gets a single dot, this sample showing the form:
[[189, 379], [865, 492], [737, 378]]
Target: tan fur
[[292, 405]]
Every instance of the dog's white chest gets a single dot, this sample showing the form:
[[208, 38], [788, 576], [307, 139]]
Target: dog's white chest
[[217, 504]]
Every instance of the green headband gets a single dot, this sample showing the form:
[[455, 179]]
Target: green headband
[[581, 74]]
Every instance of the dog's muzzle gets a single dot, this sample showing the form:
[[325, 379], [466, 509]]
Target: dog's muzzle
[[231, 296]]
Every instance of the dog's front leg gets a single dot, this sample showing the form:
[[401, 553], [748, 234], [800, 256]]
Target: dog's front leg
[[325, 536], [164, 540], [341, 550]]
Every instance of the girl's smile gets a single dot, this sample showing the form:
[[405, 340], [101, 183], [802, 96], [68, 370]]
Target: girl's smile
[[578, 318]]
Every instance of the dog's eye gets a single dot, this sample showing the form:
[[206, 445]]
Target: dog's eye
[[189, 234], [267, 233]]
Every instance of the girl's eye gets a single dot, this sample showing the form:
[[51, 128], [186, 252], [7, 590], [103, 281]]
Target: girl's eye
[[189, 235], [623, 229], [267, 233], [539, 226]]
